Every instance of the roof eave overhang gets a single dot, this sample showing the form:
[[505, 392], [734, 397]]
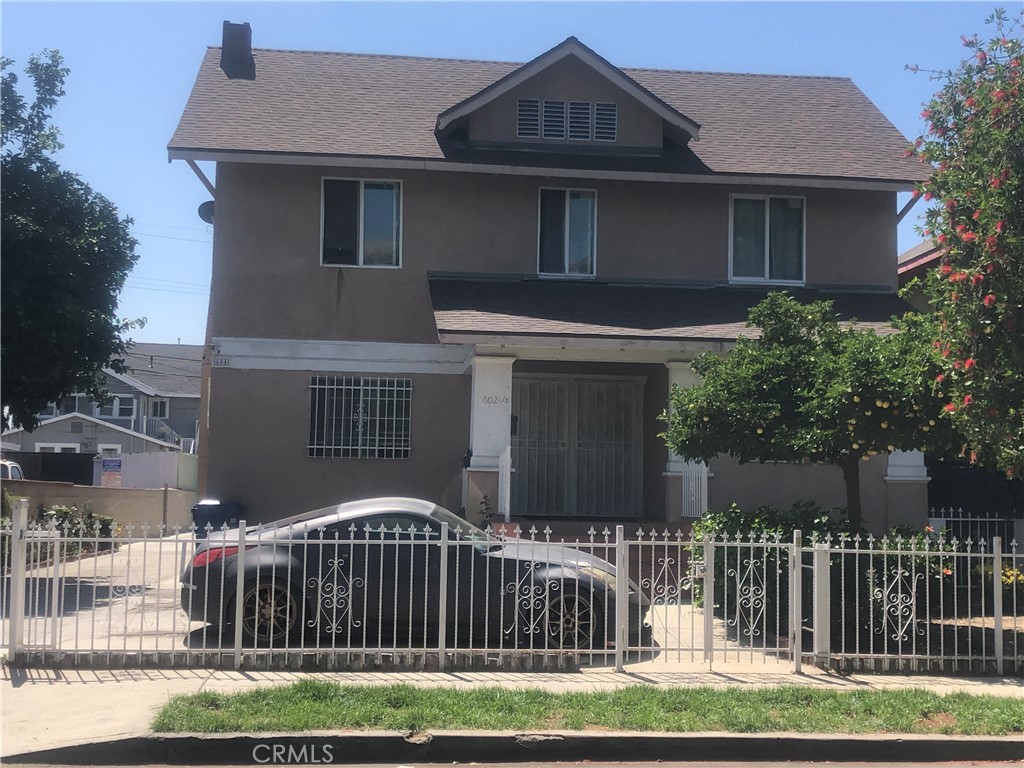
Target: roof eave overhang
[[434, 164], [694, 345], [571, 47]]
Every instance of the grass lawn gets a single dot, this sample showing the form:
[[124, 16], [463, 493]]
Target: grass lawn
[[318, 705]]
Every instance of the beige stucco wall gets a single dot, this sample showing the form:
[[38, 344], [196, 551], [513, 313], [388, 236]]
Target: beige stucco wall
[[125, 505], [259, 428], [567, 80], [884, 503], [268, 282]]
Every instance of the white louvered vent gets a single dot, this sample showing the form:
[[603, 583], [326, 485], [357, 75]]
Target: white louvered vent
[[554, 119], [606, 118], [528, 123], [579, 120]]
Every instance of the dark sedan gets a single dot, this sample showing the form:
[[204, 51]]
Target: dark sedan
[[368, 574]]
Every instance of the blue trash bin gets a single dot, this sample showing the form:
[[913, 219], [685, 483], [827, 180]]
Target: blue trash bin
[[216, 514]]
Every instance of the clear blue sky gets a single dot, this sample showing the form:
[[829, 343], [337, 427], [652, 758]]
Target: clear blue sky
[[133, 64]]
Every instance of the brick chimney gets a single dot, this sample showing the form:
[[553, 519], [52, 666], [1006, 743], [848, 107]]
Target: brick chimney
[[236, 52]]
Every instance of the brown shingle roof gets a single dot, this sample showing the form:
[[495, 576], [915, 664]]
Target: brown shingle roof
[[387, 106], [537, 307]]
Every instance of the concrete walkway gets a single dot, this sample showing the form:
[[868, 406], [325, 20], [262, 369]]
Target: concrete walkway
[[52, 708]]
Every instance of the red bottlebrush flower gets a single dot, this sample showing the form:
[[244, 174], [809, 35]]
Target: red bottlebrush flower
[[916, 193], [976, 215], [940, 378], [950, 205], [989, 301], [956, 365], [952, 297], [999, 226], [945, 269], [970, 101], [941, 239], [950, 407], [982, 57], [927, 195], [977, 279], [961, 227], [936, 344], [999, 95], [909, 152], [996, 181], [992, 242], [969, 363], [967, 399], [958, 277], [970, 237], [925, 114]]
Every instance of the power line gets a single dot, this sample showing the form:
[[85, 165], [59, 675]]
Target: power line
[[169, 237], [166, 290], [171, 226], [169, 282]]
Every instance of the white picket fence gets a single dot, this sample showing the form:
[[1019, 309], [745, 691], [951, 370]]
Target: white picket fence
[[456, 598]]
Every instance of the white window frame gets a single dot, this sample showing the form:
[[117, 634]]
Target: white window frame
[[58, 447], [107, 446], [765, 280], [162, 401], [115, 408], [359, 236], [566, 275]]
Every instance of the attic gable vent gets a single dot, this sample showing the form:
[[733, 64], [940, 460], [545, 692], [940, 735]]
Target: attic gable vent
[[554, 119], [579, 120], [606, 118], [528, 122]]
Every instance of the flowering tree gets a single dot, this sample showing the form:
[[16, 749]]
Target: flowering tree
[[808, 387], [975, 141]]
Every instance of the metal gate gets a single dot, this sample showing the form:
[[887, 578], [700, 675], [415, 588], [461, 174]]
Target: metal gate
[[577, 450]]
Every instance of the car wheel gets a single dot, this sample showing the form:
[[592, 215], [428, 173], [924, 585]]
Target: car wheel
[[270, 613], [572, 621]]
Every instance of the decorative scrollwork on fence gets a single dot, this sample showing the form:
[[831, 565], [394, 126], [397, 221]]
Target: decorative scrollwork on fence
[[126, 590], [665, 588], [530, 593], [896, 597], [334, 590], [751, 593]]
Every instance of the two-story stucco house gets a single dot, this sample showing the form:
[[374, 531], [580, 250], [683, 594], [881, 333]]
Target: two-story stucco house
[[424, 266]]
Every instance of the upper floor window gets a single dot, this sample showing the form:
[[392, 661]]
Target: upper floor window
[[767, 241], [361, 223], [158, 408], [567, 240], [560, 120], [117, 408]]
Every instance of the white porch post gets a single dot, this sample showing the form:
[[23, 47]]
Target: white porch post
[[490, 425], [679, 375], [906, 490]]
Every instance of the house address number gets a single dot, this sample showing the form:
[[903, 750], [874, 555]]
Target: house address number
[[221, 361], [495, 399]]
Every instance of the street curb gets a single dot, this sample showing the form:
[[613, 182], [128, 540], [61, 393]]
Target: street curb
[[490, 746]]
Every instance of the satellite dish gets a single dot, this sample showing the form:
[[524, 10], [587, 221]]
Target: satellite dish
[[206, 211]]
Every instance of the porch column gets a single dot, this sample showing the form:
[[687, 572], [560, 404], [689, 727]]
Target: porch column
[[906, 490], [686, 482], [490, 427]]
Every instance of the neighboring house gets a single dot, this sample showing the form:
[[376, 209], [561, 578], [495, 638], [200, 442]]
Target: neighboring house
[[79, 433], [914, 264], [424, 268], [157, 398]]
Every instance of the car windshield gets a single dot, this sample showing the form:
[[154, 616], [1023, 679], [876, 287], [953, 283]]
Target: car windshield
[[467, 530]]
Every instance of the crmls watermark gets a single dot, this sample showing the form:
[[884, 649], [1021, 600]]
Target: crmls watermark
[[292, 754]]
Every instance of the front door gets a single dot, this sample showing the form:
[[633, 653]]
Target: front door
[[577, 450]]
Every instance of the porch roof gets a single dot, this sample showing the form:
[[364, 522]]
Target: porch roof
[[519, 307]]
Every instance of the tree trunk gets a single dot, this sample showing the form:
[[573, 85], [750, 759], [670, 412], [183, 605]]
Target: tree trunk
[[851, 476]]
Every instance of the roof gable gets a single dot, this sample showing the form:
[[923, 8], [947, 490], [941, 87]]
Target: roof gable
[[99, 422], [569, 47]]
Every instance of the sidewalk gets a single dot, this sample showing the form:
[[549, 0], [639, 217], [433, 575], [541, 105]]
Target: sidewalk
[[43, 709]]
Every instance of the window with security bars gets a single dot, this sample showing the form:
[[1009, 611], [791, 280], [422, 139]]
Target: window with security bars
[[352, 417]]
